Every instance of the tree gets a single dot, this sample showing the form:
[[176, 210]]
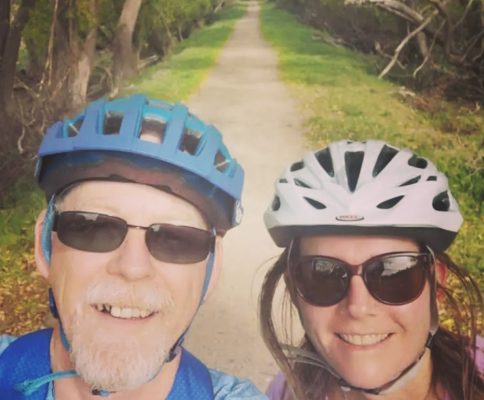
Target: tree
[[10, 38], [124, 57], [69, 53]]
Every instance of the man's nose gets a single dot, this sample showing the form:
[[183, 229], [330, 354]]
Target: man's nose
[[132, 258]]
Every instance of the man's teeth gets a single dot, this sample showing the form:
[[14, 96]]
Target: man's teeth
[[123, 312], [363, 340]]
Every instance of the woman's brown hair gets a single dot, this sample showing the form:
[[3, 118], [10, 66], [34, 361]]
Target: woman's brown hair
[[453, 351]]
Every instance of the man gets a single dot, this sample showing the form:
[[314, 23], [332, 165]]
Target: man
[[140, 194]]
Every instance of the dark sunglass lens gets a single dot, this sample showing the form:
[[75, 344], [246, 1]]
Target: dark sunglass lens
[[178, 244], [321, 281], [397, 279], [90, 231]]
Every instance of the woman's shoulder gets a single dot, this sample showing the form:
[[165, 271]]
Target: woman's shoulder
[[275, 391]]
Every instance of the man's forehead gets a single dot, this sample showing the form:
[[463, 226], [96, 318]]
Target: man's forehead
[[126, 198]]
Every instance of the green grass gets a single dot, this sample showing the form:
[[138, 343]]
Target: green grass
[[23, 294], [177, 77], [341, 97]]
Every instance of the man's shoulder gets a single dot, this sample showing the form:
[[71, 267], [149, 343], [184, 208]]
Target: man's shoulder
[[229, 387], [5, 341]]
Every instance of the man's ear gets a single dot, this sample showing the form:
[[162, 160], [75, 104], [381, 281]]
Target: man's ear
[[441, 272], [217, 267], [40, 261]]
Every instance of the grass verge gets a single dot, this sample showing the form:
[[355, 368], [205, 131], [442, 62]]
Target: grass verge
[[23, 294]]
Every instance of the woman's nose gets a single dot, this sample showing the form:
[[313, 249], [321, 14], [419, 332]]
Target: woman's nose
[[359, 302]]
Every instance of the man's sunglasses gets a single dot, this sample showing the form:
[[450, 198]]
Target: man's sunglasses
[[392, 278], [99, 233]]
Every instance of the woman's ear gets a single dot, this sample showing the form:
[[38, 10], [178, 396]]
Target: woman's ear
[[441, 273], [40, 261], [217, 267]]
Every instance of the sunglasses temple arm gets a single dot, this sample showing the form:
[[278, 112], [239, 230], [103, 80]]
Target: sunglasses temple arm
[[434, 312]]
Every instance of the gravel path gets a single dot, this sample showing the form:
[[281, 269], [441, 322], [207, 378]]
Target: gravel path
[[244, 98]]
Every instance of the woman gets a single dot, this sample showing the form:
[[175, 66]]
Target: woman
[[365, 226]]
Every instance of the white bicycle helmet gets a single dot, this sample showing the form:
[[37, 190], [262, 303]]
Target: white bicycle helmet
[[364, 188]]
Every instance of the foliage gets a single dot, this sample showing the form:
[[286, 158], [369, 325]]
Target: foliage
[[23, 294], [341, 97], [66, 54]]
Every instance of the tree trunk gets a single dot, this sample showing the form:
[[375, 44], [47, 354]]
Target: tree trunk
[[10, 54], [73, 59], [84, 62], [124, 57], [81, 71], [4, 26]]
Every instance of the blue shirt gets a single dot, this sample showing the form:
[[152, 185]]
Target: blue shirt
[[225, 387]]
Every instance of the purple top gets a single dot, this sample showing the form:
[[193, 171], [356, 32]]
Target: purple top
[[275, 391]]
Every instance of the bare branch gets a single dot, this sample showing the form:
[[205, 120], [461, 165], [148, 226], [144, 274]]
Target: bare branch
[[50, 49], [219, 6], [380, 51], [404, 42], [464, 15], [427, 57], [475, 40], [441, 8], [394, 6]]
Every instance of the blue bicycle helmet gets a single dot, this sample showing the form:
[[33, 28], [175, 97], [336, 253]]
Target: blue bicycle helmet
[[136, 139]]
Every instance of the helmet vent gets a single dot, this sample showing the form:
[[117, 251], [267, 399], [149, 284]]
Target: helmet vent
[[221, 162], [112, 123], [297, 166], [441, 202], [190, 141], [353, 162], [417, 162], [153, 130], [387, 204], [324, 159], [432, 178], [74, 128], [315, 204], [276, 203], [301, 183], [283, 180], [386, 155], [411, 181]]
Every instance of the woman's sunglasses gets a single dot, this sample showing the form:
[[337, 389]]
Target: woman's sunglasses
[[99, 233], [392, 278]]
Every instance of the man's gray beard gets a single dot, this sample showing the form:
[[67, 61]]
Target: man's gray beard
[[105, 361], [114, 365]]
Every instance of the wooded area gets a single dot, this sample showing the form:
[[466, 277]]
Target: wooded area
[[427, 44], [55, 54]]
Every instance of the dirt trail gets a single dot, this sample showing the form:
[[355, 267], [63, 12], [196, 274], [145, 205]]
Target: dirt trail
[[244, 97]]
